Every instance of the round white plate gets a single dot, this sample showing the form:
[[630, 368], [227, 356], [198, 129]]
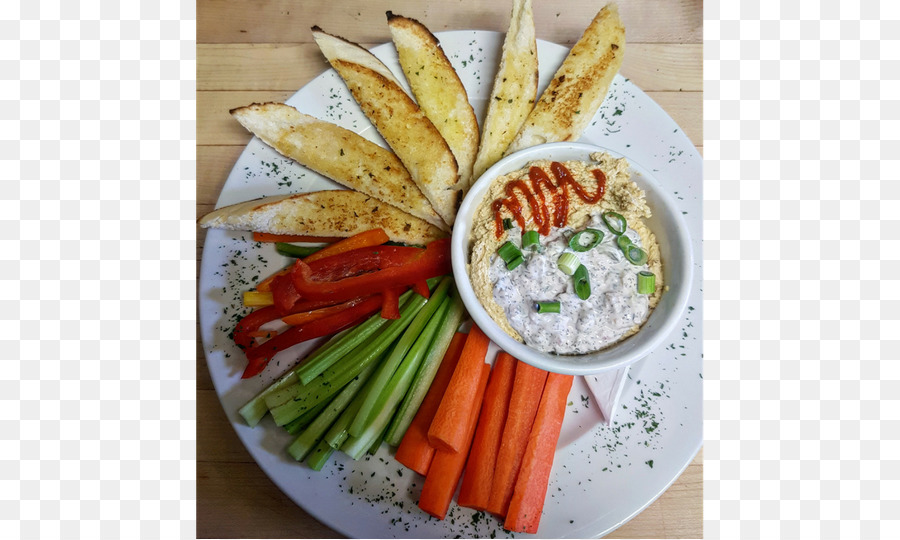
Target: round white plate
[[602, 475]]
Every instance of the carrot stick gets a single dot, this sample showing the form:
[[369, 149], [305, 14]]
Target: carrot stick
[[414, 451], [372, 237], [475, 491], [524, 514], [448, 429], [302, 317], [269, 237], [523, 404], [446, 467]]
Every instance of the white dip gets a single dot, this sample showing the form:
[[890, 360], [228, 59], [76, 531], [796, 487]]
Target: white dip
[[613, 310]]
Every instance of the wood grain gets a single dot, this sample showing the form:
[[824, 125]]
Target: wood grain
[[263, 51]]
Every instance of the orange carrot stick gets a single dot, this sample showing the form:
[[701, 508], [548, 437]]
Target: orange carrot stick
[[414, 450], [302, 317], [269, 237], [446, 467], [448, 429], [524, 514], [372, 237], [475, 491], [523, 404]]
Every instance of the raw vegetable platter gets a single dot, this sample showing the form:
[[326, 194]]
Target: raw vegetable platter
[[602, 475]]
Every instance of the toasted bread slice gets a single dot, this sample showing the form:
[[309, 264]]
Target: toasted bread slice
[[579, 86], [514, 90], [402, 124], [347, 158], [438, 90], [338, 212]]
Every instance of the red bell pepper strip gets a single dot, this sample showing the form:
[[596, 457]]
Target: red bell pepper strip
[[251, 323], [244, 332], [390, 307], [258, 357], [421, 288], [284, 295], [430, 262]]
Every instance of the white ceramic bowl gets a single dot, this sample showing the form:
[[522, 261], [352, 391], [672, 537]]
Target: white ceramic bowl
[[674, 245]]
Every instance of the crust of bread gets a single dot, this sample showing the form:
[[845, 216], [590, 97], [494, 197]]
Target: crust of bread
[[343, 156], [339, 213], [579, 86], [402, 124], [438, 90], [515, 88]]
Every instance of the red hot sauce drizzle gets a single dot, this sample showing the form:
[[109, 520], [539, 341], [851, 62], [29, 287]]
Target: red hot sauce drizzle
[[537, 200]]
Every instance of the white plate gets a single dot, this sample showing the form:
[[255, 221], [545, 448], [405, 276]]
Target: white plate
[[602, 476]]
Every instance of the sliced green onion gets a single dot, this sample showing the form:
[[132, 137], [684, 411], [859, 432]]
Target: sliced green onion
[[508, 252], [646, 282], [567, 263], [582, 283], [624, 242], [507, 224], [635, 255], [576, 244], [531, 240], [510, 265], [546, 307], [615, 222]]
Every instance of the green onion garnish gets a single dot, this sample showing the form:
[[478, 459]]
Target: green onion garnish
[[576, 244], [615, 222], [507, 224], [514, 263], [623, 242], [646, 282], [635, 255], [509, 251], [531, 240], [568, 263], [546, 307], [582, 283]]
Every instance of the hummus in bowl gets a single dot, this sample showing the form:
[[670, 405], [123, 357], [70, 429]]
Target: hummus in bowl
[[553, 250]]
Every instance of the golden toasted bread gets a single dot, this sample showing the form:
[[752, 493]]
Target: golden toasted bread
[[402, 124], [338, 212], [347, 158], [579, 86], [438, 90], [514, 90]]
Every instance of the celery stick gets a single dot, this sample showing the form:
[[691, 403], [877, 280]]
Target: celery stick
[[319, 456], [337, 434], [314, 433], [392, 393], [348, 362], [426, 373], [309, 370], [256, 408], [389, 366], [338, 375], [299, 424]]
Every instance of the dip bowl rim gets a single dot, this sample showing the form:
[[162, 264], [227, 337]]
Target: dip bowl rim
[[677, 252]]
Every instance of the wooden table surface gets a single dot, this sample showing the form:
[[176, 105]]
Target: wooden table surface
[[263, 51]]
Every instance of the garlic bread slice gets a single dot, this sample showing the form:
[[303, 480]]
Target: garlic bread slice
[[438, 90], [339, 154], [514, 90], [579, 86], [399, 120], [340, 212]]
